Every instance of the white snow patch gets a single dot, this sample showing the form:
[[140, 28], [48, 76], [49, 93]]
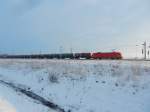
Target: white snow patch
[[78, 85], [6, 106]]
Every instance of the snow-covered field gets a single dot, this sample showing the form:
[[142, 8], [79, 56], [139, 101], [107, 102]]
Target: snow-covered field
[[75, 85]]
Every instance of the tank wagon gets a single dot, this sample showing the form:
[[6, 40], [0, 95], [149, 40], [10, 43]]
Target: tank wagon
[[97, 55], [82, 55]]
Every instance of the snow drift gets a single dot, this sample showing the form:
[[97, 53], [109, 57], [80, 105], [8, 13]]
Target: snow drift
[[76, 85]]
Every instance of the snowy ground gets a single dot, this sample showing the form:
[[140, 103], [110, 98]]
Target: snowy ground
[[75, 86]]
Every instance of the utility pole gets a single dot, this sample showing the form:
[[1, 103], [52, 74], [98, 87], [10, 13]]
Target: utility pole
[[136, 52], [145, 51], [71, 51], [148, 53], [61, 51]]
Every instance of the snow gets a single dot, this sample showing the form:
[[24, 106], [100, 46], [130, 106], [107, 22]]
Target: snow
[[5, 106], [76, 85]]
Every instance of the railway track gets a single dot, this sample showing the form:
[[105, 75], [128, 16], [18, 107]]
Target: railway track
[[22, 89]]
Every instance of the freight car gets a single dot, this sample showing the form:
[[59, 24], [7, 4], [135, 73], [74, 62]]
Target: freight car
[[108, 55], [66, 56], [82, 55]]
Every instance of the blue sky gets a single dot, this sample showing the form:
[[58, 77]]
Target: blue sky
[[31, 26]]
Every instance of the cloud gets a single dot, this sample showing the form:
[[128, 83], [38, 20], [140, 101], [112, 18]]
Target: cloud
[[19, 7]]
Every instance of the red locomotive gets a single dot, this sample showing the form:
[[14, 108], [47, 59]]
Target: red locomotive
[[107, 55]]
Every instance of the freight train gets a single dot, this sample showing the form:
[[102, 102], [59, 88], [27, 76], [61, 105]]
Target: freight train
[[97, 55]]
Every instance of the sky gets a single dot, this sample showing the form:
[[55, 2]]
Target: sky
[[53, 26]]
